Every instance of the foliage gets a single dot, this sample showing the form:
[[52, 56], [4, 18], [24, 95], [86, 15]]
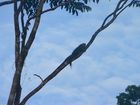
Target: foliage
[[30, 6], [135, 3], [131, 96], [72, 6]]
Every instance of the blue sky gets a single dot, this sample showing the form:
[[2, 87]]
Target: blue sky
[[96, 78]]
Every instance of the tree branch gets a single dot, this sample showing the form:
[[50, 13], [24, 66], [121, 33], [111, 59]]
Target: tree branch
[[31, 38], [46, 80], [67, 61], [39, 77], [119, 8], [24, 29]]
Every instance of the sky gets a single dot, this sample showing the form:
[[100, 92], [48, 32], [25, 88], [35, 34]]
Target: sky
[[96, 78]]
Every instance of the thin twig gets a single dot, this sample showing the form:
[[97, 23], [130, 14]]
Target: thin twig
[[39, 77]]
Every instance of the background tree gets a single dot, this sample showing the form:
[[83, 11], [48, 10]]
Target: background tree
[[131, 96], [27, 15]]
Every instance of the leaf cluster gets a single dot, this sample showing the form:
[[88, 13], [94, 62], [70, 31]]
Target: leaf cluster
[[72, 6], [30, 6], [135, 3], [131, 96]]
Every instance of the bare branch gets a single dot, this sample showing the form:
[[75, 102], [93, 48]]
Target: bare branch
[[124, 8], [122, 3], [39, 77], [46, 80], [31, 38], [107, 23], [119, 6], [22, 20]]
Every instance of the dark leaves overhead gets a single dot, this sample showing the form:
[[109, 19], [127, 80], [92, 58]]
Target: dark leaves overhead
[[75, 7], [72, 6], [30, 6], [135, 3]]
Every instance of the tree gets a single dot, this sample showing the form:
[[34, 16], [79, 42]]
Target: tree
[[131, 96], [27, 17]]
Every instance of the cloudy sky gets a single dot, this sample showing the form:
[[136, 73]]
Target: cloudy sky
[[96, 78]]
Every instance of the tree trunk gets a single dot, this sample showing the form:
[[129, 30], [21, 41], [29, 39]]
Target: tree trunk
[[15, 93]]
